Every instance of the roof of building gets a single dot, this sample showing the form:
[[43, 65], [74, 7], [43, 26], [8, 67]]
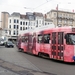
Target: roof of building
[[38, 14], [22, 16], [15, 14], [61, 11], [29, 13], [5, 12]]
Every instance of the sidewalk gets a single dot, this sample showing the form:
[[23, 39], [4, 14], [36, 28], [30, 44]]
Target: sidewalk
[[6, 72], [7, 68]]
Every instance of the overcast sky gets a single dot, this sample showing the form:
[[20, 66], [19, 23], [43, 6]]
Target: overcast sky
[[35, 5]]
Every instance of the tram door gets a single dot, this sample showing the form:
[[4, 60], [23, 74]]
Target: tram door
[[57, 45], [30, 42]]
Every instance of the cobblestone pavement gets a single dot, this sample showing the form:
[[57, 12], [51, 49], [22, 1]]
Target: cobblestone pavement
[[7, 68]]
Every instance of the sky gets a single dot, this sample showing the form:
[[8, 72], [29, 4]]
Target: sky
[[43, 6]]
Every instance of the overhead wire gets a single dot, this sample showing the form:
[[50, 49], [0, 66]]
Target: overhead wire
[[41, 4]]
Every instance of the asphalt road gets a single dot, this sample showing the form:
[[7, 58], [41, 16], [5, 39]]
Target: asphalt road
[[36, 63]]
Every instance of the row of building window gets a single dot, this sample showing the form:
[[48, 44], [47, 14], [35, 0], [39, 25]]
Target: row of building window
[[23, 23], [14, 27], [21, 28], [15, 21], [63, 15], [17, 26], [60, 25], [65, 21], [14, 32]]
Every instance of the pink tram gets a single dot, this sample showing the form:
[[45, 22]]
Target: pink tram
[[55, 43]]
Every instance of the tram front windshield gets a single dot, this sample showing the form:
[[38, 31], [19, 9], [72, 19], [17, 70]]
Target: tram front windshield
[[70, 38]]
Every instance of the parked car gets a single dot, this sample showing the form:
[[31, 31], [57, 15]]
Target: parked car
[[9, 44], [2, 43]]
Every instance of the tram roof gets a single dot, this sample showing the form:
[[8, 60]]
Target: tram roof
[[45, 27]]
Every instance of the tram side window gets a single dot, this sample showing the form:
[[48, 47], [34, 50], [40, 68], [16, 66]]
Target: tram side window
[[26, 39], [23, 39], [40, 39], [46, 38], [70, 38]]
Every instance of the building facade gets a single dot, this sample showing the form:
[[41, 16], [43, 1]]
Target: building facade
[[61, 18], [13, 25], [18, 22], [4, 20]]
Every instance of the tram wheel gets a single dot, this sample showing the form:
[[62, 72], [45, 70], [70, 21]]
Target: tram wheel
[[19, 50], [39, 54], [22, 50]]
